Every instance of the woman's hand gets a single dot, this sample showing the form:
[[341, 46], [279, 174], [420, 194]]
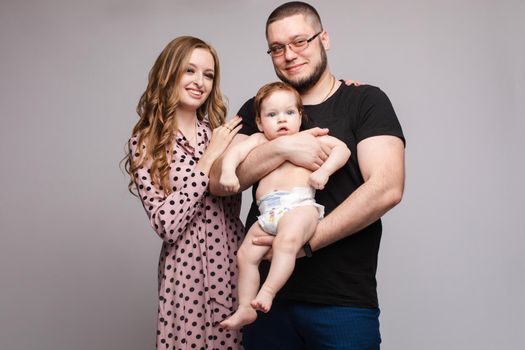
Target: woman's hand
[[221, 138], [352, 82]]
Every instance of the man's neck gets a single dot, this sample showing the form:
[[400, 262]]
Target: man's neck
[[321, 90]]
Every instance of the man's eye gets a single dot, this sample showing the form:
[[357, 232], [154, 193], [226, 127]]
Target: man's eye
[[276, 49], [299, 42]]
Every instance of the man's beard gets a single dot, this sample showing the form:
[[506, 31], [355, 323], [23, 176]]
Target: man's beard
[[307, 82]]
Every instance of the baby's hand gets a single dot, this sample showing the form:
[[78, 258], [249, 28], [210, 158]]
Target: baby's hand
[[318, 179], [230, 182]]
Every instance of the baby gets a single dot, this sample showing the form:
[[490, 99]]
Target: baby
[[285, 198]]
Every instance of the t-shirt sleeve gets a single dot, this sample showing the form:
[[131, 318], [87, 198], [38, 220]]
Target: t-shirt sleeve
[[376, 116], [247, 113]]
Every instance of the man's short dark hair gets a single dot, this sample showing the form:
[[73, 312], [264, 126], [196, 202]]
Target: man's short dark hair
[[295, 8]]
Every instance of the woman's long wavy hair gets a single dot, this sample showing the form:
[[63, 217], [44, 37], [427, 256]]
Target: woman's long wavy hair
[[156, 128]]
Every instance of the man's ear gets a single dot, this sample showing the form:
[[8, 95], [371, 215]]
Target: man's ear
[[325, 40]]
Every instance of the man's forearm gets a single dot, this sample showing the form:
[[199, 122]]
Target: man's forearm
[[381, 160], [259, 162], [363, 207]]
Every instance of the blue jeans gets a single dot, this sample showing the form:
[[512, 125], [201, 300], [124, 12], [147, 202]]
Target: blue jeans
[[300, 326]]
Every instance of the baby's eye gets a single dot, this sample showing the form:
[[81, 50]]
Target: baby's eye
[[291, 112], [271, 114]]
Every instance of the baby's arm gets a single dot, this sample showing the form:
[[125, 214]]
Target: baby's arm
[[339, 154], [234, 157]]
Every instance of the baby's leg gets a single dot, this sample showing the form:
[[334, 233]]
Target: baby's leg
[[295, 228], [248, 258]]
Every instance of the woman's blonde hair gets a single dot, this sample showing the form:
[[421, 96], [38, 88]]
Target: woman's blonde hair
[[156, 128]]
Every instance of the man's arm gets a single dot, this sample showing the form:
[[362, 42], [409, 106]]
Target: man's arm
[[302, 149], [382, 163]]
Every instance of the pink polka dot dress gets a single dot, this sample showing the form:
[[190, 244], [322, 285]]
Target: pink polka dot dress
[[197, 267]]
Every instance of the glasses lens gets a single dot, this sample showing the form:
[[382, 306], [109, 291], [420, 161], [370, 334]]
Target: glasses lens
[[277, 50], [300, 44]]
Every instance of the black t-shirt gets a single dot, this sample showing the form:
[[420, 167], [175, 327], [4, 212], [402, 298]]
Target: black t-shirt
[[342, 273]]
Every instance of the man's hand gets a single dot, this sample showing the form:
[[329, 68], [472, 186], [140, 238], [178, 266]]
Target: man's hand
[[267, 240], [304, 150]]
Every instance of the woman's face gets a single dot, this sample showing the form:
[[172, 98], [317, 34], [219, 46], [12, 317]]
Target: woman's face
[[196, 81]]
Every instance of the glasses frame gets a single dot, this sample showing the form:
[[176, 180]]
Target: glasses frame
[[291, 46]]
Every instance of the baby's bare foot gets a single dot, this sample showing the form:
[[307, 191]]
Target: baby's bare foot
[[263, 301], [243, 316]]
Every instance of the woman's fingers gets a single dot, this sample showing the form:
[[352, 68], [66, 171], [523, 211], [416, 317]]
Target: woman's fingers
[[236, 130], [349, 82], [232, 124]]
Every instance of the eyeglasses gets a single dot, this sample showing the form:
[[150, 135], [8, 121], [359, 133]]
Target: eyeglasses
[[297, 45]]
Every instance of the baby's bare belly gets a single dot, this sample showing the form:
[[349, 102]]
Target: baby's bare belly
[[283, 178]]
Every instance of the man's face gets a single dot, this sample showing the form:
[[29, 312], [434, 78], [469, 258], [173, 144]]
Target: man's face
[[303, 69]]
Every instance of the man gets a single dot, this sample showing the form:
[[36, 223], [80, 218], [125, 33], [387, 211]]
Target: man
[[331, 299]]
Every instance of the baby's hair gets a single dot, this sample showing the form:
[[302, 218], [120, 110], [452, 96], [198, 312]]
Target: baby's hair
[[268, 89]]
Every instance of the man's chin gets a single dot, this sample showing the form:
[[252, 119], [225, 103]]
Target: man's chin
[[295, 81]]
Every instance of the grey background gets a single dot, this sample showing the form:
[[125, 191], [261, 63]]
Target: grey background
[[77, 258]]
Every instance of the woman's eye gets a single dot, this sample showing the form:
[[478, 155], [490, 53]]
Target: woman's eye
[[209, 76], [190, 70]]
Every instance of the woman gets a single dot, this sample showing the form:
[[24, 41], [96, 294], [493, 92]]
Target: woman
[[181, 132]]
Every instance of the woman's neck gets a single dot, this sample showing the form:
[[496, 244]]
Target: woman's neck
[[186, 124]]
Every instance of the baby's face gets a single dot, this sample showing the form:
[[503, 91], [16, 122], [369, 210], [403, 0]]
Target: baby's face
[[279, 115]]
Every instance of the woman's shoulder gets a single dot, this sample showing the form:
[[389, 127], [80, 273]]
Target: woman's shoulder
[[137, 147], [204, 123], [134, 141]]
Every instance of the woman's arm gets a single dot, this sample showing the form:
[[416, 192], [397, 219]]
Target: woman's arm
[[170, 215]]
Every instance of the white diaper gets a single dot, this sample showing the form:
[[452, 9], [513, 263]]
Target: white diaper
[[274, 205]]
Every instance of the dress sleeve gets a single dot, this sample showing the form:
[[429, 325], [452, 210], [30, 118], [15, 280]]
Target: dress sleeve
[[170, 215]]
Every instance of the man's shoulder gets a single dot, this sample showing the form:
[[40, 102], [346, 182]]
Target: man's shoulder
[[248, 108], [363, 95], [247, 113], [362, 90]]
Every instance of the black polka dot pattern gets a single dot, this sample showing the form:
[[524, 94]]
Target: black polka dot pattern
[[197, 267]]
